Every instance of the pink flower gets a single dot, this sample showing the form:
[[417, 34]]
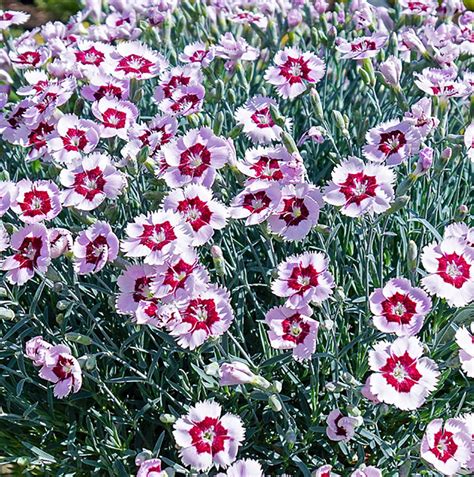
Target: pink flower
[[36, 201], [4, 238], [303, 279], [74, 137], [135, 286], [62, 369], [206, 438], [420, 117], [32, 254], [232, 50], [340, 427], [324, 471], [256, 120], [11, 17], [446, 447], [391, 70], [367, 471], [198, 208], [29, 56], [180, 277], [392, 142], [271, 164], [184, 100], [256, 202], [469, 141], [135, 60], [8, 193], [401, 376], [194, 158], [197, 53], [360, 188], [465, 340], [201, 317], [179, 76], [88, 56], [293, 70], [418, 8], [154, 135], [91, 182], [243, 468], [399, 308], [116, 116], [234, 373], [362, 47], [157, 236], [35, 349], [102, 85], [461, 231], [440, 82], [293, 329], [94, 248], [468, 420], [60, 241], [298, 211], [450, 267], [151, 468]]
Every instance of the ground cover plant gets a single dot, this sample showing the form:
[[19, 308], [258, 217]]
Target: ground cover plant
[[236, 240]]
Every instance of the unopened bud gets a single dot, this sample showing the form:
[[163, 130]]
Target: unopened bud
[[461, 213], [6, 314], [425, 161], [274, 403], [167, 419], [317, 105], [62, 305], [339, 119], [218, 123], [91, 363], [78, 338], [446, 154], [218, 260], [412, 255]]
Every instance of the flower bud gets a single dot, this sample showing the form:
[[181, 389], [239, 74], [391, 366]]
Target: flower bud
[[62, 305], [235, 373], [446, 154], [294, 18], [316, 133], [425, 161], [328, 325], [167, 418], [218, 260], [274, 403], [391, 70], [6, 314], [412, 255], [317, 105], [91, 362], [3, 292], [461, 213], [339, 120], [78, 338]]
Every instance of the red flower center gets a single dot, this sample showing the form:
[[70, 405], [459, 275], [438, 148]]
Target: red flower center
[[262, 118], [201, 313], [157, 236], [401, 372], [267, 168], [195, 160], [89, 183], [63, 368], [176, 275], [35, 203], [134, 64], [295, 70], [399, 308], [75, 140], [92, 56], [294, 211], [196, 211], [444, 446], [364, 45], [36, 139], [108, 90], [173, 83], [256, 202], [96, 249], [454, 269], [113, 118], [295, 328], [208, 436], [142, 289], [185, 103], [28, 252], [29, 58], [391, 142], [303, 278], [358, 187]]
